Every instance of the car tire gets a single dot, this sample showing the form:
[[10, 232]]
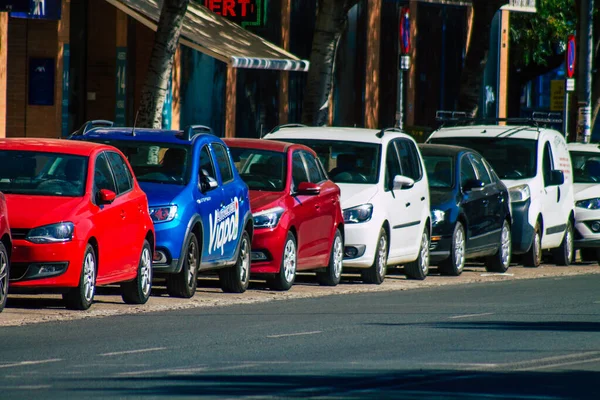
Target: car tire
[[235, 279], [138, 290], [500, 262], [590, 255], [533, 258], [454, 265], [286, 276], [4, 275], [82, 296], [333, 273], [184, 283], [419, 268], [565, 253], [375, 274]]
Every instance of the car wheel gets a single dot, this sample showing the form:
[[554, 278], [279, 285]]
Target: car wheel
[[82, 296], [375, 274], [138, 290], [4, 275], [185, 282], [235, 279], [287, 270], [533, 258], [333, 273], [455, 264], [564, 254], [500, 261], [419, 268], [590, 255]]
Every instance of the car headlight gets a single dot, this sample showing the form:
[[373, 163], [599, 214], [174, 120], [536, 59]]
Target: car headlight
[[519, 193], [590, 204], [356, 215], [163, 213], [55, 233], [268, 218], [437, 216]]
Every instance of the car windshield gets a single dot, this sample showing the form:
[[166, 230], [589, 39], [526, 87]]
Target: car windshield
[[440, 171], [510, 158], [260, 169], [156, 162], [586, 167], [42, 174], [347, 162]]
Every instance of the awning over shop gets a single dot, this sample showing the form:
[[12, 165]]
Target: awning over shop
[[217, 37]]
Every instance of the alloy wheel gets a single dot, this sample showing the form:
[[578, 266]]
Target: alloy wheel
[[146, 271], [337, 257], [245, 261], [289, 261], [89, 277], [424, 253], [506, 243], [3, 277], [382, 256], [459, 249], [191, 260]]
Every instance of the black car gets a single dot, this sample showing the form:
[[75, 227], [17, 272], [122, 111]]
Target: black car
[[470, 210]]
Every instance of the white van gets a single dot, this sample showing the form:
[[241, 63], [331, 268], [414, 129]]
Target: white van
[[534, 163], [385, 195]]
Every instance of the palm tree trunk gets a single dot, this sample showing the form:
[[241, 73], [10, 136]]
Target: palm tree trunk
[[472, 74], [329, 25], [166, 40]]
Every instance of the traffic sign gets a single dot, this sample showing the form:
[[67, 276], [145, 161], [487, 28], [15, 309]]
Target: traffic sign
[[570, 62], [404, 30]]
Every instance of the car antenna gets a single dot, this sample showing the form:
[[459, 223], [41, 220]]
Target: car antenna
[[135, 123]]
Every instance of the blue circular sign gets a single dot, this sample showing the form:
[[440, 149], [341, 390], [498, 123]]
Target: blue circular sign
[[571, 56]]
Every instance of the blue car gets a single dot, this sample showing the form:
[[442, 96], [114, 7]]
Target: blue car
[[198, 202]]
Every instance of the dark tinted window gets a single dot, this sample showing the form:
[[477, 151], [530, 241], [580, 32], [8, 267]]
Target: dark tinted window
[[392, 166], [223, 162], [103, 178], [315, 174], [547, 164], [298, 170], [484, 176], [206, 162], [467, 172], [260, 169], [121, 172], [440, 170], [586, 167], [409, 159]]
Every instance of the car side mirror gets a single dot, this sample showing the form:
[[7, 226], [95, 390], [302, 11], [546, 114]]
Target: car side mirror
[[308, 189], [207, 182], [473, 185], [106, 196], [402, 182], [557, 177]]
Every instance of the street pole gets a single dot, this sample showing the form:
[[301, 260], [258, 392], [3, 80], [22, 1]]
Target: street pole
[[403, 62], [584, 122], [400, 98]]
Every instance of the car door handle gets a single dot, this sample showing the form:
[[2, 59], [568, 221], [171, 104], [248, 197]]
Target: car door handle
[[407, 204], [123, 214], [422, 198], [317, 206]]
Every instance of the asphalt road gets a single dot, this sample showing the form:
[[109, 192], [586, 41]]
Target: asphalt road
[[534, 339]]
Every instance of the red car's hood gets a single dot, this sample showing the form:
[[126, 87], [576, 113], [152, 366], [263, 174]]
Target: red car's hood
[[263, 200], [31, 211]]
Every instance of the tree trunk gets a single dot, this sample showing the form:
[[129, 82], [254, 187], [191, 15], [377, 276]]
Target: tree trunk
[[329, 25], [472, 75], [161, 63]]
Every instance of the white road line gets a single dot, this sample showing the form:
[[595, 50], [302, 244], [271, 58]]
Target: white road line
[[470, 315], [26, 387], [477, 395], [183, 371], [547, 359], [466, 365], [559, 364], [294, 334], [26, 363], [119, 353]]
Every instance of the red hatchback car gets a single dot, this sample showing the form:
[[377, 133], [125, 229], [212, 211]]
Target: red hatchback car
[[298, 223], [78, 219], [5, 249]]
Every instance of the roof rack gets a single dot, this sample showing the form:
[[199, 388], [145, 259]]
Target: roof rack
[[537, 118], [383, 131], [93, 124], [283, 126], [191, 131]]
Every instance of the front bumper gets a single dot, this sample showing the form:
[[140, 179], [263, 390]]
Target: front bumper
[[169, 241], [440, 247], [27, 258], [521, 231], [587, 228], [267, 249], [362, 237]]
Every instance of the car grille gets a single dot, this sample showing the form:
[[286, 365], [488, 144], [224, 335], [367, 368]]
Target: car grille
[[19, 233]]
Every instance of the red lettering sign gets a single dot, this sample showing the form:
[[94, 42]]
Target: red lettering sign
[[243, 12]]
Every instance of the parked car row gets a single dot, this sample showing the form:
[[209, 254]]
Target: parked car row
[[127, 205]]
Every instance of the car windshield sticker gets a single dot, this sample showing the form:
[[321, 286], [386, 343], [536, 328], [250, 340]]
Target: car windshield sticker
[[224, 226]]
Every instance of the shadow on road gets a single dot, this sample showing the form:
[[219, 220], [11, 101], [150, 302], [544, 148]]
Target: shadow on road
[[409, 384], [562, 326]]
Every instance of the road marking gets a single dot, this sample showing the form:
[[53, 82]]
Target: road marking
[[183, 371], [477, 395], [470, 315], [119, 353], [294, 334], [25, 363], [497, 274], [26, 387], [466, 365], [560, 364]]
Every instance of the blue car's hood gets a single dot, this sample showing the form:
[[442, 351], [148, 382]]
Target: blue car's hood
[[160, 194], [440, 197]]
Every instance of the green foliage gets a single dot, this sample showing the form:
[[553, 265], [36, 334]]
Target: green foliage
[[535, 37]]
